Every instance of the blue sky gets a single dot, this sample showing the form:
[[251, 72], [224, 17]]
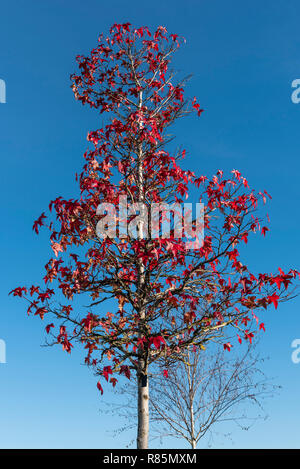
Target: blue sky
[[243, 57]]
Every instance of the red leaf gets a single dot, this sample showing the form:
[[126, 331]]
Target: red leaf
[[49, 327], [38, 222], [107, 371], [157, 341], [227, 346], [249, 336], [33, 290], [113, 381], [273, 299], [100, 388], [18, 291], [125, 370], [56, 247]]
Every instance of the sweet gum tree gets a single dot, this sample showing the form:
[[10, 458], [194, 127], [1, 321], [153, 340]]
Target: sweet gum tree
[[166, 296]]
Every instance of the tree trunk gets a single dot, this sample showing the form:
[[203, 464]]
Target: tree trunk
[[191, 383], [143, 412], [142, 378]]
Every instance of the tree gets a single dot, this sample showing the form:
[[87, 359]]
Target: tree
[[198, 393], [206, 389], [170, 293]]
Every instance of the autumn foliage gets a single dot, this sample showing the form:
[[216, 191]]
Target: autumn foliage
[[148, 298]]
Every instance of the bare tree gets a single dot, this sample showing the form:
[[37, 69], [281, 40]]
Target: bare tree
[[189, 397], [192, 395]]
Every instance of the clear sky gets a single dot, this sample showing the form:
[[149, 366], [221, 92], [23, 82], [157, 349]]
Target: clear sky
[[243, 57]]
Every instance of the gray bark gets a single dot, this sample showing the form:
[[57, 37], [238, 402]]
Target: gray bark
[[143, 414], [143, 387]]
